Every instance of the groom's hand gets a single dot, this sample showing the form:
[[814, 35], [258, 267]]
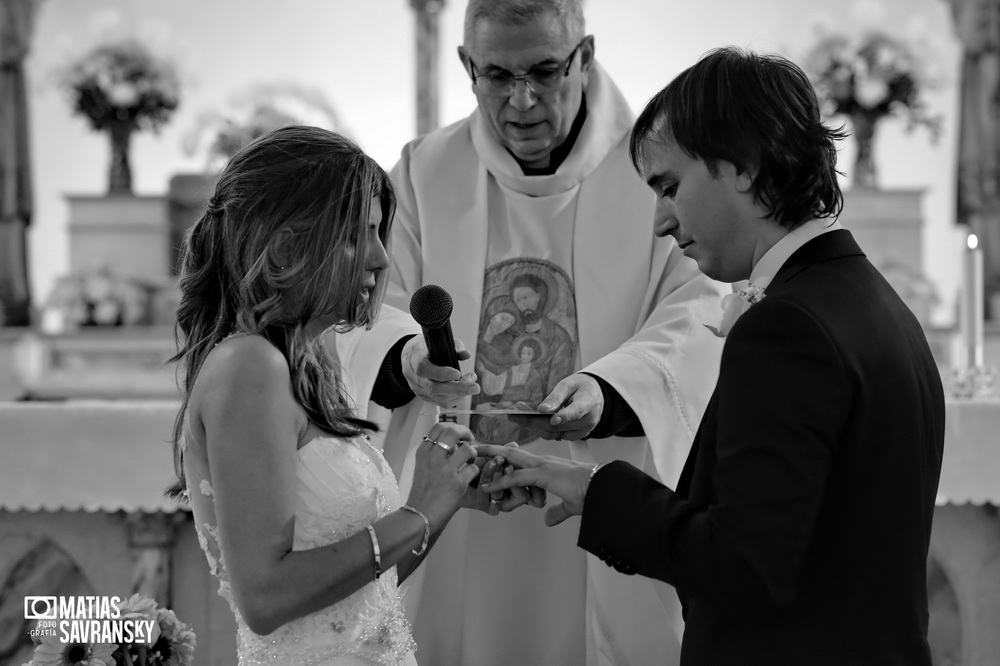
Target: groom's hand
[[494, 467], [564, 478]]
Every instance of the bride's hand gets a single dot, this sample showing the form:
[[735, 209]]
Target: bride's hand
[[445, 466]]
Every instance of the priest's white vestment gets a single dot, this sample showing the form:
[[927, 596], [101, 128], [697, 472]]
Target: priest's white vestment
[[506, 589]]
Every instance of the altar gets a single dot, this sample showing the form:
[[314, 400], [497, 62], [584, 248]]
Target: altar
[[964, 558]]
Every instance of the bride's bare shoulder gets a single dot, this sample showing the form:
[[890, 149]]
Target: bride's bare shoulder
[[244, 361], [245, 380]]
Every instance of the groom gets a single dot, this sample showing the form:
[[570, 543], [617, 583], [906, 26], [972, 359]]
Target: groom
[[799, 529]]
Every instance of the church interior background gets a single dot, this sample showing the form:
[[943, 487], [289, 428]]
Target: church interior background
[[92, 217]]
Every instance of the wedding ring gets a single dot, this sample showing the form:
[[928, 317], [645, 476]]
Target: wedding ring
[[448, 449], [493, 501], [559, 437]]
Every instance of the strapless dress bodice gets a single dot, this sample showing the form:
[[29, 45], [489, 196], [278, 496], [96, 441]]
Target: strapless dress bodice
[[343, 485]]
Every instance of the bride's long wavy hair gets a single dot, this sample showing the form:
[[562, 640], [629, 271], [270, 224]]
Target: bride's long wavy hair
[[282, 241]]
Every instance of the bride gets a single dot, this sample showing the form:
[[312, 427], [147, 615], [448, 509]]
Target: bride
[[298, 514]]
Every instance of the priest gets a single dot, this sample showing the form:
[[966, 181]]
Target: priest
[[529, 214]]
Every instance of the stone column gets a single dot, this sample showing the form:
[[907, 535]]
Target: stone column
[[427, 63], [977, 26], [16, 26]]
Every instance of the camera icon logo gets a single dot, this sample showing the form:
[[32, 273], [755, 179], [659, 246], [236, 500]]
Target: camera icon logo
[[40, 608]]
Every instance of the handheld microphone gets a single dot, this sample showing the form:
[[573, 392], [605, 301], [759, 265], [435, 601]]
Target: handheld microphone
[[431, 307]]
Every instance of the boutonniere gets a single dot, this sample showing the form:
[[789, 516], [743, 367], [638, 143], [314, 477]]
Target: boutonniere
[[734, 305]]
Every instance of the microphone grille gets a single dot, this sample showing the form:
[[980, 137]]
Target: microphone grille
[[430, 305]]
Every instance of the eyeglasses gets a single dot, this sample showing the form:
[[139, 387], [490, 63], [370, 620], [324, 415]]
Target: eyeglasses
[[540, 80]]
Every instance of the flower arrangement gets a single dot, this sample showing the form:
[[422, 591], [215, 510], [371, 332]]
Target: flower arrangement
[[96, 298], [123, 83], [170, 643], [868, 78], [119, 88], [256, 111], [232, 133]]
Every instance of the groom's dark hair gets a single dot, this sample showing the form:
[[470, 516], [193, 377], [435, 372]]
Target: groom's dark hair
[[758, 112]]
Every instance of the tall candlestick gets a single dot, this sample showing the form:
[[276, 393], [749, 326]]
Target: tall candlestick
[[972, 304]]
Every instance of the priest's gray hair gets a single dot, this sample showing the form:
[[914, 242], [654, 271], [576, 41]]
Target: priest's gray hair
[[569, 13]]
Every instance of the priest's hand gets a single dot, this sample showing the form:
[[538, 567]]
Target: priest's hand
[[441, 385], [566, 479], [576, 404]]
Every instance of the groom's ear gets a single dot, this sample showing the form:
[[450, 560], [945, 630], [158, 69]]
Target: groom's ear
[[745, 177]]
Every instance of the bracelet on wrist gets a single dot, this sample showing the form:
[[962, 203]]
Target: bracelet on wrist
[[375, 548], [427, 528]]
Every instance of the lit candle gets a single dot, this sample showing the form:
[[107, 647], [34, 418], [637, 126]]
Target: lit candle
[[972, 304]]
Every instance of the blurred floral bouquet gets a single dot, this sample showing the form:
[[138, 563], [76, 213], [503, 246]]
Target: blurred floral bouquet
[[868, 78], [171, 642], [256, 111], [96, 298], [123, 83], [119, 88]]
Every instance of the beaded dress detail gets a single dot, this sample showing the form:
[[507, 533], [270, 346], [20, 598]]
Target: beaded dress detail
[[343, 486]]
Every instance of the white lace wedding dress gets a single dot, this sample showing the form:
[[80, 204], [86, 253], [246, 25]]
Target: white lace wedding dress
[[343, 485]]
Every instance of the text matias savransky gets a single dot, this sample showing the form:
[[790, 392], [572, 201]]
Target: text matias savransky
[[94, 619]]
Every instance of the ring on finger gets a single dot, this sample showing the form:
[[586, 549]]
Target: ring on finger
[[449, 449]]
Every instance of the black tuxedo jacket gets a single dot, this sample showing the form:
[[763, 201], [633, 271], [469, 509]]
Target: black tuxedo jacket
[[799, 529]]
